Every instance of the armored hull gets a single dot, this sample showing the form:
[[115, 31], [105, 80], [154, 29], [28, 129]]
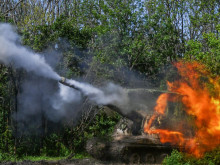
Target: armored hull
[[130, 149]]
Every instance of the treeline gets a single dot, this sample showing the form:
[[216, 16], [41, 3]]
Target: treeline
[[101, 39]]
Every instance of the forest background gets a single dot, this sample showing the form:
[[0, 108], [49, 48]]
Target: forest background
[[100, 40]]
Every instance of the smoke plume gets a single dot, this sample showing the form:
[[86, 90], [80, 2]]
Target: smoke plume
[[12, 53], [110, 94], [40, 94]]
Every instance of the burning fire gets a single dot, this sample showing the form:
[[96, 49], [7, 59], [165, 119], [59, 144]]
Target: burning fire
[[200, 95]]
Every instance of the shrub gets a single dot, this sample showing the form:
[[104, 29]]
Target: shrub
[[178, 158]]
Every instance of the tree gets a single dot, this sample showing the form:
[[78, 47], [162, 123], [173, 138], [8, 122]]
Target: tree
[[206, 50]]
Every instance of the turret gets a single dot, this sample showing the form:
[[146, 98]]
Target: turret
[[134, 116]]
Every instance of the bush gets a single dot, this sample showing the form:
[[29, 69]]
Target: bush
[[178, 158], [102, 127], [6, 157]]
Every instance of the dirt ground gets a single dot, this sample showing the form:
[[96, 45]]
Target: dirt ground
[[89, 161]]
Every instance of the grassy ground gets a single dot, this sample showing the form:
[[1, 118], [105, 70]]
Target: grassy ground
[[47, 158], [38, 158]]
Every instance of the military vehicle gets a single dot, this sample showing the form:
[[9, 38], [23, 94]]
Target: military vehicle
[[129, 142]]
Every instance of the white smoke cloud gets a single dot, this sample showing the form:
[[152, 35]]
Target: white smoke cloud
[[11, 53], [66, 95], [110, 94], [44, 96], [69, 95]]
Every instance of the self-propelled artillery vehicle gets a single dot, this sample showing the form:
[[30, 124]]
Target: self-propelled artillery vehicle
[[129, 142]]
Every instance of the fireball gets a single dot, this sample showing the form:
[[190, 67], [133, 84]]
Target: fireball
[[201, 99]]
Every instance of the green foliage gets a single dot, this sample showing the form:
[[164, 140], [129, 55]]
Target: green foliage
[[51, 145], [6, 157], [66, 29], [7, 145], [207, 51], [81, 156], [39, 158], [102, 126], [54, 147], [211, 158], [178, 158], [39, 37], [5, 19]]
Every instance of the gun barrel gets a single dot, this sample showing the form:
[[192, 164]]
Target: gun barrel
[[64, 81], [133, 116]]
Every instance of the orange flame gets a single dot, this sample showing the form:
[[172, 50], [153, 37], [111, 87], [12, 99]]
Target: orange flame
[[198, 102]]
